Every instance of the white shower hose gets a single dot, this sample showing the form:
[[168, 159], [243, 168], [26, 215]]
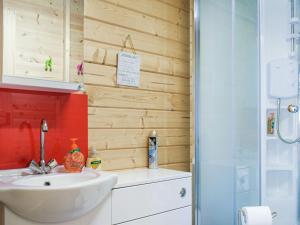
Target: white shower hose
[[287, 141]]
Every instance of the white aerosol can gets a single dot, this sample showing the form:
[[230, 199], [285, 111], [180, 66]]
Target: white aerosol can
[[153, 154]]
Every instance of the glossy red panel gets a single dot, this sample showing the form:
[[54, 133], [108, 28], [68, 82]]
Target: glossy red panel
[[20, 116]]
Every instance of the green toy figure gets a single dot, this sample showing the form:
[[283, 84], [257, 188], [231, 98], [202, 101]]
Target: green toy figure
[[49, 64]]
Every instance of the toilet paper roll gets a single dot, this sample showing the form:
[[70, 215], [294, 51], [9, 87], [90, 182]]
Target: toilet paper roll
[[258, 215]]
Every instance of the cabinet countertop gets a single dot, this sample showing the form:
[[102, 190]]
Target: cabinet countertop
[[139, 176]]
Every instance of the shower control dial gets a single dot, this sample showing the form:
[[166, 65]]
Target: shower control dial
[[293, 108]]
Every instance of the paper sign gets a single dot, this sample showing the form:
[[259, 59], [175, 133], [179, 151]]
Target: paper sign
[[128, 69]]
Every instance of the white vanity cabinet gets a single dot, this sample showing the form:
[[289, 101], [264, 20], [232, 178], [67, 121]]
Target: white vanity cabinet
[[140, 197], [156, 197], [42, 44]]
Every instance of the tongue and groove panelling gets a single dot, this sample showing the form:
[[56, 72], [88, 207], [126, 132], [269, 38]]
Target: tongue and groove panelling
[[121, 118]]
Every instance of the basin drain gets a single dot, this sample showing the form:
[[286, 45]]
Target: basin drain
[[47, 183]]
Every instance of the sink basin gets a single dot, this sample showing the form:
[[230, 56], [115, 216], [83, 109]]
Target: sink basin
[[57, 180], [55, 197]]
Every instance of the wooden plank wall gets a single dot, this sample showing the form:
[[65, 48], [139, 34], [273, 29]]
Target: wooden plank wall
[[121, 118]]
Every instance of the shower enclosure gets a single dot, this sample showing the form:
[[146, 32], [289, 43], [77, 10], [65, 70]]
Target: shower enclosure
[[240, 159]]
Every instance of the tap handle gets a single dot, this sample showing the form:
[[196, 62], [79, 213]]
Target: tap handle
[[34, 167], [52, 164]]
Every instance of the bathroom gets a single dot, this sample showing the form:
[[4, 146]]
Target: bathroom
[[180, 112]]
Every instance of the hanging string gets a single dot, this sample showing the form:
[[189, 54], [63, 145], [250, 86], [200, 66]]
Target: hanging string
[[128, 39]]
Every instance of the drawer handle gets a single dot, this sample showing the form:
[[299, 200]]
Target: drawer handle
[[182, 192]]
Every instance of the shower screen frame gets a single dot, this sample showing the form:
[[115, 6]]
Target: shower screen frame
[[196, 78]]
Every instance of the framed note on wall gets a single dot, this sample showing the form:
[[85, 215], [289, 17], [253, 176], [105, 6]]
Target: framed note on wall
[[128, 72]]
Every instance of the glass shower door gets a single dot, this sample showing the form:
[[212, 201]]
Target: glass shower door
[[227, 109]]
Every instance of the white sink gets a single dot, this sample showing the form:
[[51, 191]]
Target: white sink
[[55, 197]]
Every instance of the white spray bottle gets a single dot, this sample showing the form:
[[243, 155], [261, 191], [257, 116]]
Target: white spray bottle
[[153, 153]]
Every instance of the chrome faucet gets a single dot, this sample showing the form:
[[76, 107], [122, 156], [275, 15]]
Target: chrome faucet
[[42, 168], [43, 130]]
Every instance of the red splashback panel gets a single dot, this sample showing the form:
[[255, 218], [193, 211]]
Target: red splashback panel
[[20, 116]]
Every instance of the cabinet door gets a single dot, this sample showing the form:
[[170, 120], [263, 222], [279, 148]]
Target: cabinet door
[[33, 33], [133, 202], [181, 216], [43, 39]]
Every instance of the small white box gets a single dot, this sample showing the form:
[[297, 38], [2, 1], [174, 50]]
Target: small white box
[[283, 78]]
